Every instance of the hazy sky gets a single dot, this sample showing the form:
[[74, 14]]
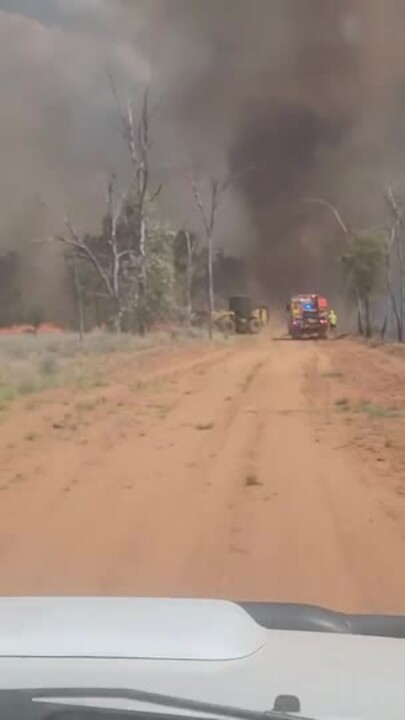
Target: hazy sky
[[44, 10], [57, 132]]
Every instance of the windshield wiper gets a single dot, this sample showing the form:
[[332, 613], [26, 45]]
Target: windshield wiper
[[51, 696]]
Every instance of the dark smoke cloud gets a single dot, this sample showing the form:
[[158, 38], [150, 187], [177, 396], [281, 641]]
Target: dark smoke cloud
[[308, 94]]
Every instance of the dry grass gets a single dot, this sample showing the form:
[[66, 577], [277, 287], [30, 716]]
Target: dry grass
[[205, 426], [30, 364], [251, 480], [371, 409]]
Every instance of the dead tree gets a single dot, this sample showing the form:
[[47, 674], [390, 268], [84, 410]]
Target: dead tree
[[186, 247], [106, 254], [396, 249], [119, 255], [79, 296], [190, 245], [208, 211], [208, 208], [136, 134], [347, 237], [335, 212]]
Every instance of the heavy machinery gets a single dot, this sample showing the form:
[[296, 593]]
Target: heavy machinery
[[307, 316], [241, 317]]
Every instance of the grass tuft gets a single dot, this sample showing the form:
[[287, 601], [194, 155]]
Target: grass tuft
[[251, 480]]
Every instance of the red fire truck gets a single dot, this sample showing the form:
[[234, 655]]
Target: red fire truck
[[307, 316]]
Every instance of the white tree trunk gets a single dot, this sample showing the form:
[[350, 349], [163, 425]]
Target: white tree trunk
[[210, 287], [189, 280], [79, 295], [142, 279]]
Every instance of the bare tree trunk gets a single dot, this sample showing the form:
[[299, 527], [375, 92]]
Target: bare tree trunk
[[142, 280], [137, 138], [398, 315], [210, 287], [397, 241], [400, 329], [117, 318], [360, 327], [399, 321], [401, 301], [396, 303], [367, 317], [79, 296], [189, 279], [97, 311], [208, 218], [360, 323], [384, 327]]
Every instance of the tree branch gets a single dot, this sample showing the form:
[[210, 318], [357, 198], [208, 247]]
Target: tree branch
[[200, 205], [77, 242], [332, 209], [214, 203], [394, 206], [156, 193]]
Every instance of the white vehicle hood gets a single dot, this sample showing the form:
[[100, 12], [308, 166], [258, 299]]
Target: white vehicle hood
[[201, 650]]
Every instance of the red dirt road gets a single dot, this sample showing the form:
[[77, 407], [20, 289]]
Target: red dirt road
[[258, 469]]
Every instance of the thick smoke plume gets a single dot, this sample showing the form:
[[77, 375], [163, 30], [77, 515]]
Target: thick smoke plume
[[309, 94], [295, 98]]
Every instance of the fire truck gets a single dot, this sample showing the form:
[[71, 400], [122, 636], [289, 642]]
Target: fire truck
[[307, 317]]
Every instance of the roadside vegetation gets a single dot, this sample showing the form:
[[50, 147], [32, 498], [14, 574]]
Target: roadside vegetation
[[34, 363], [371, 409], [373, 268], [138, 272]]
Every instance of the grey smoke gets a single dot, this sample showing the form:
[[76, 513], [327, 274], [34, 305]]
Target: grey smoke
[[311, 92]]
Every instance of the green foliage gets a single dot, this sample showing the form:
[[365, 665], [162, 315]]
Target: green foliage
[[138, 306], [160, 298], [363, 265], [183, 244], [190, 264]]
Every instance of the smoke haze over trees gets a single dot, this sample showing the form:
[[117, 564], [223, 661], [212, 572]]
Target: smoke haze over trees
[[309, 93]]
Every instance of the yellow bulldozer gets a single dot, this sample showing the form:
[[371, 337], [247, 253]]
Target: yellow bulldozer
[[241, 317]]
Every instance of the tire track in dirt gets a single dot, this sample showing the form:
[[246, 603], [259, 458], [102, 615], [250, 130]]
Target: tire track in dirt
[[226, 474], [281, 523], [126, 479]]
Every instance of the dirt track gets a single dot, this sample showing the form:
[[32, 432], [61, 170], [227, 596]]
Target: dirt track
[[244, 470]]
